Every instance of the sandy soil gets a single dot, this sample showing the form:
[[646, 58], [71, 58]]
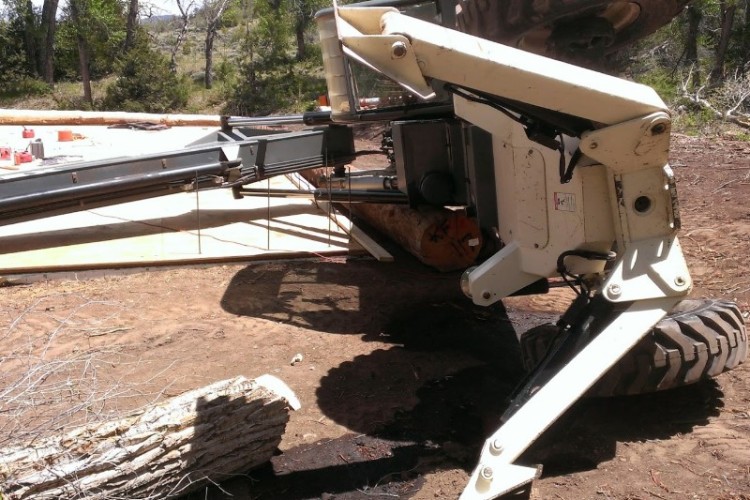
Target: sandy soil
[[401, 378]]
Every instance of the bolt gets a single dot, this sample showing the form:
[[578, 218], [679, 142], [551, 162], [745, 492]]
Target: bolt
[[593, 145], [615, 290], [487, 473], [486, 295], [496, 448], [398, 49], [680, 281], [658, 129]]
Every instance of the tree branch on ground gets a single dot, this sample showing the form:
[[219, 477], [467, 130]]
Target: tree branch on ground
[[729, 100]]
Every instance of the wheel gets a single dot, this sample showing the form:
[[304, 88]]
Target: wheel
[[574, 30], [698, 339]]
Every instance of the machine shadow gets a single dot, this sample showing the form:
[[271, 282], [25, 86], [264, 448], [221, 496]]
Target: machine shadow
[[429, 401]]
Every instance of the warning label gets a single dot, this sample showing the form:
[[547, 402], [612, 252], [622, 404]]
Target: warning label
[[565, 202]]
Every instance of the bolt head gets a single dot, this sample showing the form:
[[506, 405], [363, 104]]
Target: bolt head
[[487, 473], [615, 290], [680, 281], [658, 129], [496, 448], [398, 49]]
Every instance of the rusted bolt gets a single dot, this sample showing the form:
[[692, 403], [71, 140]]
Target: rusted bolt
[[486, 295], [680, 281], [593, 145], [398, 50]]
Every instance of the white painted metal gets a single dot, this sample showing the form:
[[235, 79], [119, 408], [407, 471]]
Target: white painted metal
[[649, 269], [469, 61], [539, 217], [620, 199], [567, 386]]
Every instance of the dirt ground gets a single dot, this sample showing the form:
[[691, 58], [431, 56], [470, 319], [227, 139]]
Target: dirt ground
[[401, 377]]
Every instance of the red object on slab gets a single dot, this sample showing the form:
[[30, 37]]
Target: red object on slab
[[22, 157]]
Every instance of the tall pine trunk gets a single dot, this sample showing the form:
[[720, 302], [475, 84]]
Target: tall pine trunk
[[49, 28], [299, 31], [132, 25], [30, 37], [727, 23], [209, 54], [77, 14], [695, 16]]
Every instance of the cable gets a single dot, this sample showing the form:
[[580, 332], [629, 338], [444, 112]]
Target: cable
[[482, 100], [572, 279]]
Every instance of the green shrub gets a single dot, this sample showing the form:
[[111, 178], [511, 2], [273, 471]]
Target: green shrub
[[17, 85], [663, 82], [145, 83], [284, 88]]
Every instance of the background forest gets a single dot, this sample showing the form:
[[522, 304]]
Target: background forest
[[255, 57]]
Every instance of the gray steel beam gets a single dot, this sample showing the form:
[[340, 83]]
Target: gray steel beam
[[229, 162]]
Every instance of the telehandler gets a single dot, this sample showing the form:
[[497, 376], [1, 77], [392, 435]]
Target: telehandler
[[583, 190], [565, 167]]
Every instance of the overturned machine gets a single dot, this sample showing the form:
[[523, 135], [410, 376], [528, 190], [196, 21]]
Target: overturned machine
[[565, 167]]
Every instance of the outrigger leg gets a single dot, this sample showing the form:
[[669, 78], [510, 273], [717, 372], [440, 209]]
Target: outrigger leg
[[600, 336]]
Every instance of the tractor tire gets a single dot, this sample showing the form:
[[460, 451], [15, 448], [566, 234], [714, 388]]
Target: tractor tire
[[699, 339], [571, 30]]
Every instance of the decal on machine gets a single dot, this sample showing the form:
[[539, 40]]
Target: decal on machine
[[565, 202]]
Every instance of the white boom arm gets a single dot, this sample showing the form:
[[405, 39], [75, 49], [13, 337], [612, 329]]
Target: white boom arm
[[620, 197]]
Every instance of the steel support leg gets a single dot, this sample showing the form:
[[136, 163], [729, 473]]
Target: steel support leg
[[496, 474]]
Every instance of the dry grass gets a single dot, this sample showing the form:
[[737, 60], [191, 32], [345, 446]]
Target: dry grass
[[47, 386]]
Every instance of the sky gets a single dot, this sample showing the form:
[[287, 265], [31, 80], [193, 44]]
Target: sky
[[160, 7]]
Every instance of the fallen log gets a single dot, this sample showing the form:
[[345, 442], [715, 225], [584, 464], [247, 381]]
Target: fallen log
[[447, 240], [167, 450], [45, 117], [444, 239]]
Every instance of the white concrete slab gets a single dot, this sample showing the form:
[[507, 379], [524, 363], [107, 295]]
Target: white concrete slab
[[185, 227], [96, 143]]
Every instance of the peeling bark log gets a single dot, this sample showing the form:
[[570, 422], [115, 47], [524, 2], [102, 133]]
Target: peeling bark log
[[446, 240], [441, 238], [36, 117], [164, 451]]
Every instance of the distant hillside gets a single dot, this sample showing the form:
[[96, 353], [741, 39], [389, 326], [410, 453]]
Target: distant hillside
[[157, 19]]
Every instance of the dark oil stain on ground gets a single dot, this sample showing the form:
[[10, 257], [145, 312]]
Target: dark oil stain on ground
[[420, 406]]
